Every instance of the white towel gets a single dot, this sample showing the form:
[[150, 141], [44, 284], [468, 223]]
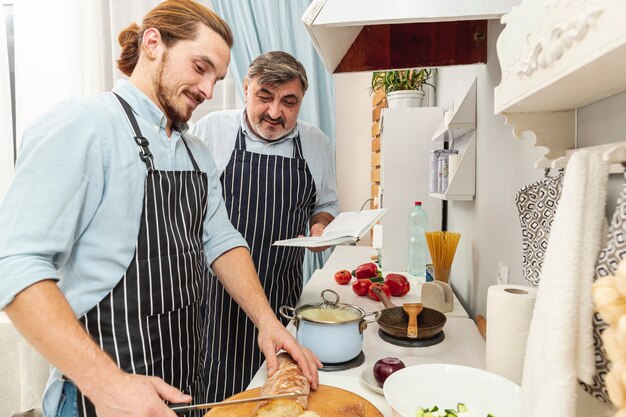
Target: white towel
[[560, 338]]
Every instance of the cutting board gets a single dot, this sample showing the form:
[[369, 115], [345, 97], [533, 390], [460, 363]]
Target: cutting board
[[323, 401]]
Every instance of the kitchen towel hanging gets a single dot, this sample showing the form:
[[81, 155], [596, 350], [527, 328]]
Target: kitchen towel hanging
[[560, 338], [509, 310], [537, 203], [613, 252]]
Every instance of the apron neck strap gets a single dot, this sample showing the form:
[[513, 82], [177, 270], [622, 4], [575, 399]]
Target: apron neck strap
[[144, 153]]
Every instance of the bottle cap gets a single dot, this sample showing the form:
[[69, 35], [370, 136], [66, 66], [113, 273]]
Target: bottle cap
[[418, 203]]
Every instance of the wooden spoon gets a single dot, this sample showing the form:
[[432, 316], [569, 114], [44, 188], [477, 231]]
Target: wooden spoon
[[413, 310]]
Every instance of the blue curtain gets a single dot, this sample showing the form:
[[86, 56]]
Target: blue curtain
[[272, 25]]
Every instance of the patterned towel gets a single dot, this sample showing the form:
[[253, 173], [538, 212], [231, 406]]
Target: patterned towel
[[613, 253], [537, 203]]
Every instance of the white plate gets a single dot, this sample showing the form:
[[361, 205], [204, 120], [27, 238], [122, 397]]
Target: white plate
[[367, 377]]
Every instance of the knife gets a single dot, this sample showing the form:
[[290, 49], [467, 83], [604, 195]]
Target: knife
[[183, 408]]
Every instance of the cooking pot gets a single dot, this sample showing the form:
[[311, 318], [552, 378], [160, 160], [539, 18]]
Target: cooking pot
[[394, 321], [330, 329]]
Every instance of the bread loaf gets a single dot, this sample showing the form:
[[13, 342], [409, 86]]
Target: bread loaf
[[287, 379], [350, 410]]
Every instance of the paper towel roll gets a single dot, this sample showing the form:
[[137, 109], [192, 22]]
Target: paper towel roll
[[509, 311]]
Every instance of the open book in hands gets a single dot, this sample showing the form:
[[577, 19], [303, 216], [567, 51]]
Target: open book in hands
[[348, 227]]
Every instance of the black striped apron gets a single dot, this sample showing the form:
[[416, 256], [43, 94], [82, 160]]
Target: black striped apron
[[268, 197], [150, 323]]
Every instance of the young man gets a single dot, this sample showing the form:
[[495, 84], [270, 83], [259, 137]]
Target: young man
[[277, 174], [114, 217]]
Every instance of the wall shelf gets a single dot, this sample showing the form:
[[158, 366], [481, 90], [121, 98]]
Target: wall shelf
[[459, 120], [557, 56], [458, 128], [462, 179]]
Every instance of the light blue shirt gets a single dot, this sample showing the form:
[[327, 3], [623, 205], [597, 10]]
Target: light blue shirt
[[73, 210], [218, 130]]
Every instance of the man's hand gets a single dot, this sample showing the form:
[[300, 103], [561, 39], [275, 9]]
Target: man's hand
[[316, 230], [273, 338], [137, 396]]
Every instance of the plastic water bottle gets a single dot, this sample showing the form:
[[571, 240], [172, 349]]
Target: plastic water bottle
[[418, 251]]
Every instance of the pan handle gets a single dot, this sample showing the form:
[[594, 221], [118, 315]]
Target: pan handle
[[382, 296], [364, 322]]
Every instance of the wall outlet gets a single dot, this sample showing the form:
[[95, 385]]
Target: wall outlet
[[502, 274]]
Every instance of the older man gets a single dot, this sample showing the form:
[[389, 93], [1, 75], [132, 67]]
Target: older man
[[277, 175]]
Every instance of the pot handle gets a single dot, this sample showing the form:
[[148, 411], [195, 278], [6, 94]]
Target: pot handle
[[363, 324], [327, 301], [284, 311]]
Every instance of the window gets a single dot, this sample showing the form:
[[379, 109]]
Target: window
[[7, 8]]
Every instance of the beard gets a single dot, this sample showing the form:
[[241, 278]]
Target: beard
[[166, 95], [270, 133]]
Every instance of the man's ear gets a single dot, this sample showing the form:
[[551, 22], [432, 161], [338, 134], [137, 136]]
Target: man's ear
[[245, 88], [151, 43]]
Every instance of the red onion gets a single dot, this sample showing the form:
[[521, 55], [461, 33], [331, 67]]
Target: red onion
[[385, 367]]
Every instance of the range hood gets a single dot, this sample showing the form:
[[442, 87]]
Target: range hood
[[369, 35]]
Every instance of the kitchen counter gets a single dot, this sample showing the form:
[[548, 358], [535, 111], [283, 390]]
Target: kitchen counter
[[462, 345]]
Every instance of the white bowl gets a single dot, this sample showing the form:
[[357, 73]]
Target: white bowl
[[446, 385]]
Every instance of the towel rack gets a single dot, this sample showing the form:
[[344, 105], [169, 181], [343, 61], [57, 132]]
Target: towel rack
[[615, 153]]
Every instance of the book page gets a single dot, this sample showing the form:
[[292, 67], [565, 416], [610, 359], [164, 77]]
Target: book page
[[353, 223], [347, 227]]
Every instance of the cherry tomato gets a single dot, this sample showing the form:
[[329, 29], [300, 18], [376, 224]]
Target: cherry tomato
[[384, 287], [343, 277], [361, 286], [398, 284]]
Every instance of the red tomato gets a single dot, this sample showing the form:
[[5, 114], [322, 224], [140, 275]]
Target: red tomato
[[343, 277], [398, 284], [361, 286], [384, 287]]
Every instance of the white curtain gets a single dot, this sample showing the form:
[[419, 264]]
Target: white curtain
[[6, 120], [61, 51]]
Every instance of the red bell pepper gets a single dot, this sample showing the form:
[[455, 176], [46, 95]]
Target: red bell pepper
[[398, 284], [361, 286], [371, 294], [368, 270]]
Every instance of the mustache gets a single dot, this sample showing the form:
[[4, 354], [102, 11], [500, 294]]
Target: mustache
[[197, 97], [266, 117]]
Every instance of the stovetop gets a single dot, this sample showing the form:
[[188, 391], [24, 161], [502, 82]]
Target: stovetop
[[342, 366], [436, 339]]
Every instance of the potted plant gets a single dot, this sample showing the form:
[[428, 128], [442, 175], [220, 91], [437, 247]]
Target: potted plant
[[403, 88]]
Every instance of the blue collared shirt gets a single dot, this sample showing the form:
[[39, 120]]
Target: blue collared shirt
[[73, 210], [218, 130]]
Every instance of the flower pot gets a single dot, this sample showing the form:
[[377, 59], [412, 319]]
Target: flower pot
[[405, 98]]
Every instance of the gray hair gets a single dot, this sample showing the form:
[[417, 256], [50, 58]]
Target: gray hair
[[277, 67]]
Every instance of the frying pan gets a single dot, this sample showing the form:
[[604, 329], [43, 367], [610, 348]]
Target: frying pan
[[394, 321]]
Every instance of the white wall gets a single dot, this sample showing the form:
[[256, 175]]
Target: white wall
[[353, 139]]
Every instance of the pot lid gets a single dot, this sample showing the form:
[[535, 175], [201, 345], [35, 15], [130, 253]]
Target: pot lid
[[330, 310]]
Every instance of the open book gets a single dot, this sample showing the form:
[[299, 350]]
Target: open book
[[348, 227]]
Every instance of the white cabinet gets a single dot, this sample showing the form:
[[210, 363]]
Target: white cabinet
[[556, 56], [404, 171]]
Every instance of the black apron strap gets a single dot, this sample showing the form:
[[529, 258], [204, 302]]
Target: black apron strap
[[240, 144], [297, 147], [193, 160], [144, 153]]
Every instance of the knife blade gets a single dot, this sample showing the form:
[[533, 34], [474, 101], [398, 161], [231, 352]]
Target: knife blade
[[183, 408]]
